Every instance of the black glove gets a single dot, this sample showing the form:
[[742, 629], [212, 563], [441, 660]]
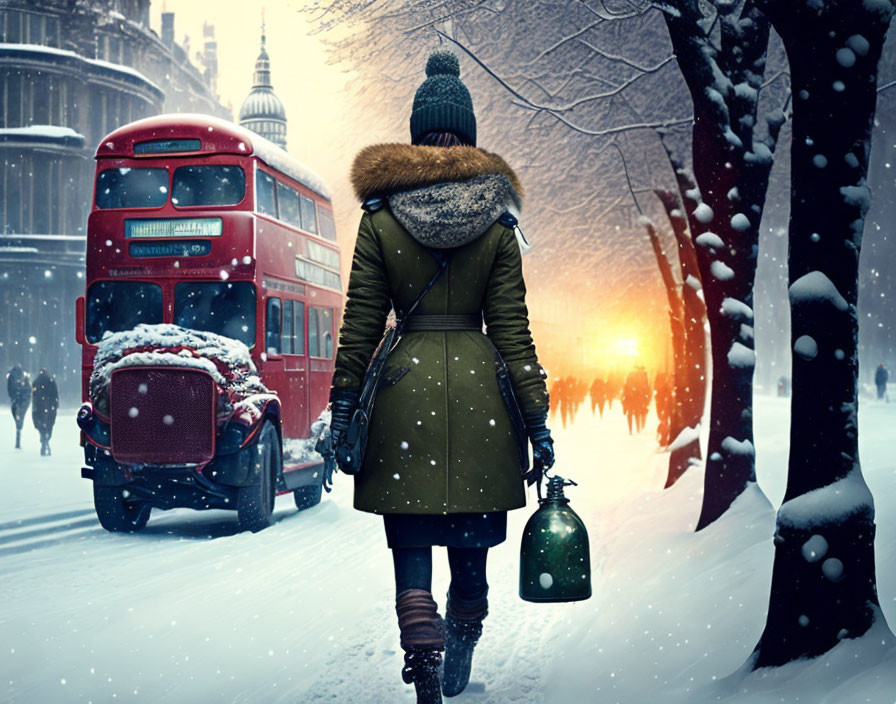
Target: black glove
[[542, 447], [342, 406]]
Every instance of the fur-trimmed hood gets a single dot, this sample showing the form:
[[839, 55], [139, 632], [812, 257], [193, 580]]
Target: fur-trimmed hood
[[443, 196]]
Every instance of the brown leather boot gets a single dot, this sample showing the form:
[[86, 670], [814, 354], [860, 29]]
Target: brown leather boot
[[423, 641]]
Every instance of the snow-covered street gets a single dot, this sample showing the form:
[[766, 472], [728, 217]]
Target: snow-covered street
[[189, 610]]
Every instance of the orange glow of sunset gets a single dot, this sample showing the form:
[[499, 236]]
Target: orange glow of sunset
[[628, 347]]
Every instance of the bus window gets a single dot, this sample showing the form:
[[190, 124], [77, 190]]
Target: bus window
[[309, 271], [309, 221], [225, 308], [264, 194], [288, 199], [299, 329], [327, 226], [320, 332], [207, 185], [272, 326], [288, 323], [113, 306], [326, 332], [313, 333], [132, 188]]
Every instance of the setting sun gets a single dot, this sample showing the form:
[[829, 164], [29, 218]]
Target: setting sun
[[628, 347]]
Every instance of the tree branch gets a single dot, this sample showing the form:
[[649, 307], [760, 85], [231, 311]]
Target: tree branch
[[628, 180], [527, 103]]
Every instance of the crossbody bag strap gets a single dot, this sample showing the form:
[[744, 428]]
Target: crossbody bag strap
[[442, 261], [392, 337]]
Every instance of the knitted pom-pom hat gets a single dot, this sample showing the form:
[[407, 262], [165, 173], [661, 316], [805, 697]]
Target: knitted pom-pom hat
[[442, 102]]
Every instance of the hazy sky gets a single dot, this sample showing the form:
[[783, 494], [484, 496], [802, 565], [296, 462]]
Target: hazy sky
[[312, 92]]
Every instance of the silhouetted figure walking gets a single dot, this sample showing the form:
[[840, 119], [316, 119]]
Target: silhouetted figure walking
[[614, 388], [45, 402], [881, 377], [598, 394], [563, 393], [556, 393], [18, 386], [636, 398]]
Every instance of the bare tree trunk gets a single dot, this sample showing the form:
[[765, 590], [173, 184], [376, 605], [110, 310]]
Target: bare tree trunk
[[690, 382], [824, 584], [731, 168], [676, 313]]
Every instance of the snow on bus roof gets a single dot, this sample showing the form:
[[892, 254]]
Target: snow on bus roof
[[267, 151]]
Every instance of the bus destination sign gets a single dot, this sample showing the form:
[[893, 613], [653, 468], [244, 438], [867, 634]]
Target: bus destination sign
[[185, 248], [172, 227]]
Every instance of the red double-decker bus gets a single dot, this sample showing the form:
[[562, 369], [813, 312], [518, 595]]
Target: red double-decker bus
[[199, 223]]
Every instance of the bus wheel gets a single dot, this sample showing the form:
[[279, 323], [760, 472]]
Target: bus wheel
[[308, 496], [255, 503], [116, 514]]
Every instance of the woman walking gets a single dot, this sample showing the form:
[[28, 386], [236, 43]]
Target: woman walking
[[443, 459], [44, 405], [18, 386]]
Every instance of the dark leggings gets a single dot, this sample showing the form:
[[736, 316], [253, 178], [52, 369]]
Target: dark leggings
[[413, 570]]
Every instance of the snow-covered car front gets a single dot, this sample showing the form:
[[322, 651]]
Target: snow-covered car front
[[178, 417]]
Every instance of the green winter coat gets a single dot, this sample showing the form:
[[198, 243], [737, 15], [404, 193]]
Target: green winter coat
[[440, 439]]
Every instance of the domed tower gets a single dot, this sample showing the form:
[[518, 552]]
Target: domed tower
[[262, 112]]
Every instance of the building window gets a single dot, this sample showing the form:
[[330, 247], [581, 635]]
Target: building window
[[53, 31], [27, 102], [41, 201], [12, 198], [14, 99], [13, 33], [35, 28], [41, 106], [54, 88]]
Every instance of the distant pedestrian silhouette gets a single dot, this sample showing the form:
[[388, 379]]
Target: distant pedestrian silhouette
[[881, 377], [598, 394], [18, 386], [45, 402], [636, 398]]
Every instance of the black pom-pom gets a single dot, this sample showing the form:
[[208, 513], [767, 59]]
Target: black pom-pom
[[442, 62]]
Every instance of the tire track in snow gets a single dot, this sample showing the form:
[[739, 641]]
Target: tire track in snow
[[15, 537], [50, 518]]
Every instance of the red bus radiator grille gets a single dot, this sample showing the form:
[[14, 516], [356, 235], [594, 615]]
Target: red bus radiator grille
[[162, 416]]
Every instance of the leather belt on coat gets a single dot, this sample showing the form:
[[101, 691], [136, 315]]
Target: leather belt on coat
[[419, 323]]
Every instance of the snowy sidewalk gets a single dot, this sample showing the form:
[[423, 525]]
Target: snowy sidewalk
[[189, 610]]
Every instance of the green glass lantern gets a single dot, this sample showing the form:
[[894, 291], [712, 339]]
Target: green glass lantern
[[555, 564]]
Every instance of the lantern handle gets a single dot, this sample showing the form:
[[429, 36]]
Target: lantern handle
[[543, 475]]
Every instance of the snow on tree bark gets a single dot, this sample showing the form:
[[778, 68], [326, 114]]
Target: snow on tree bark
[[732, 163], [833, 49]]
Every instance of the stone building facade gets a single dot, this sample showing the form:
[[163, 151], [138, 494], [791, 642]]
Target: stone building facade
[[71, 71]]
